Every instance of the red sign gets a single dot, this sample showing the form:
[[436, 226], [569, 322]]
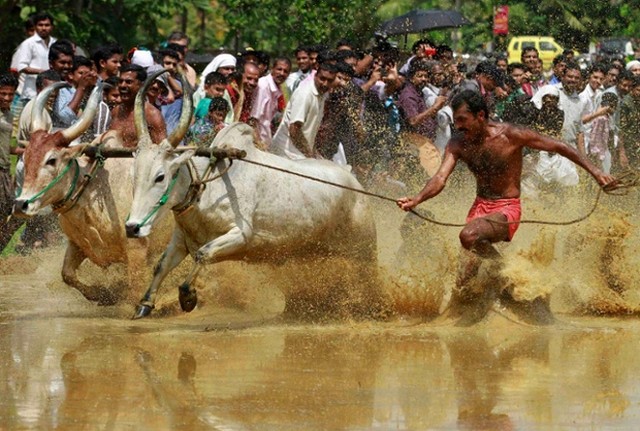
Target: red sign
[[501, 21]]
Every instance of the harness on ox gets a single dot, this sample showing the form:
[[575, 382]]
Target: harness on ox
[[196, 187], [75, 190]]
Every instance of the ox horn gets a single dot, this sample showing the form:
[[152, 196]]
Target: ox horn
[[86, 118], [187, 111], [39, 106], [140, 121]]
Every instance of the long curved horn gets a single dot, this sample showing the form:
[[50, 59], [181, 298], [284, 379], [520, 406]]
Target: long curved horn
[[140, 121], [37, 110], [187, 111], [87, 116]]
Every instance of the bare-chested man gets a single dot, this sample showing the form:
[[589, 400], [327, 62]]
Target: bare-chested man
[[493, 153], [131, 79]]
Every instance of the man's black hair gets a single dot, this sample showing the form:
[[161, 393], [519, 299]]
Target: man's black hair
[[474, 101], [282, 59], [169, 53], [104, 53], [47, 75], [302, 48], [177, 48], [29, 24], [559, 59], [178, 35], [326, 56], [489, 69], [513, 66], [343, 54], [79, 61], [8, 80], [527, 49], [625, 75], [345, 68], [441, 49], [417, 43], [112, 82], [417, 66], [318, 48], [61, 46], [329, 67], [572, 65], [263, 58], [140, 72], [598, 67], [215, 78], [218, 104], [42, 16], [345, 42]]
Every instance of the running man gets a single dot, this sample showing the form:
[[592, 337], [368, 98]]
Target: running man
[[493, 153]]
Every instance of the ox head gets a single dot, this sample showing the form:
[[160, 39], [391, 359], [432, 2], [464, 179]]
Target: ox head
[[50, 164], [156, 182]]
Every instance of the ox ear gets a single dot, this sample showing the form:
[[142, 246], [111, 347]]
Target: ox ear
[[74, 151], [71, 152], [183, 158]]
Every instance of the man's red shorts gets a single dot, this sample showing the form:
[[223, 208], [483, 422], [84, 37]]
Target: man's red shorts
[[509, 207]]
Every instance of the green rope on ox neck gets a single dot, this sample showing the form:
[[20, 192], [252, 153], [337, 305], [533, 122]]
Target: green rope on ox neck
[[161, 202], [57, 179]]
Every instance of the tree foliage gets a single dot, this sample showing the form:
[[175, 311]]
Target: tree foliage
[[277, 26]]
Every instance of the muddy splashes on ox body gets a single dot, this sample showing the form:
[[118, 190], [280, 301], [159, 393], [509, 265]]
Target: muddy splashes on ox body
[[342, 357]]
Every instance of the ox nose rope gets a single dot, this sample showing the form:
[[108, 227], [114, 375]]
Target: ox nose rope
[[620, 186], [161, 202]]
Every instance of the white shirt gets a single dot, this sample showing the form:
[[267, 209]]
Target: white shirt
[[591, 101], [265, 106], [573, 107], [306, 106], [294, 79], [33, 52], [430, 93]]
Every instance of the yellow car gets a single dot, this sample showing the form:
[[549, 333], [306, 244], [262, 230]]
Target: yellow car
[[547, 48]]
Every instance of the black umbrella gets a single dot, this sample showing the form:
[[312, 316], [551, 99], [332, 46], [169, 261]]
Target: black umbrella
[[418, 21]]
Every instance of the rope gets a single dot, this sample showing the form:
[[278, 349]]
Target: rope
[[619, 187]]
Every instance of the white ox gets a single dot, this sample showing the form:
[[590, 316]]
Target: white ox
[[93, 223], [249, 213]]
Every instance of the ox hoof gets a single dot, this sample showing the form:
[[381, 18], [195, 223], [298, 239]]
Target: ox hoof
[[188, 298], [142, 311]]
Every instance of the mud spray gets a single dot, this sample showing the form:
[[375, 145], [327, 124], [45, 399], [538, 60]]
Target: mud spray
[[586, 268]]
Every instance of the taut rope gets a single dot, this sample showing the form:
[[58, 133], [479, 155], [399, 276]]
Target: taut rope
[[620, 186]]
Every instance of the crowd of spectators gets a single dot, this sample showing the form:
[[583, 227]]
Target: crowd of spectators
[[373, 109]]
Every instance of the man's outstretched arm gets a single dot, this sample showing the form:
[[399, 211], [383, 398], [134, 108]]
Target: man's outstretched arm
[[531, 139], [435, 184]]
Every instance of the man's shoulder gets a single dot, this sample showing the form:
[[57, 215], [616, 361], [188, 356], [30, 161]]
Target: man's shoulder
[[408, 91]]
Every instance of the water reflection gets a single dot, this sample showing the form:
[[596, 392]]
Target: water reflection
[[77, 374]]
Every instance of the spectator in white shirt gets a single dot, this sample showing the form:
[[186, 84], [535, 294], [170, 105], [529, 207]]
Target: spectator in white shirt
[[32, 56]]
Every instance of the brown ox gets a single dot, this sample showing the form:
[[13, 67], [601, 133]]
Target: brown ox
[[92, 202]]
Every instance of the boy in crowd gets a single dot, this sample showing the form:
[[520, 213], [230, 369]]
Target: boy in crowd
[[215, 84], [205, 129]]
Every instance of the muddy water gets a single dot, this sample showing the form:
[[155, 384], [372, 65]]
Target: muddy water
[[68, 364]]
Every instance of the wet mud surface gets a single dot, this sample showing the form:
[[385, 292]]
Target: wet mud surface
[[235, 364]]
